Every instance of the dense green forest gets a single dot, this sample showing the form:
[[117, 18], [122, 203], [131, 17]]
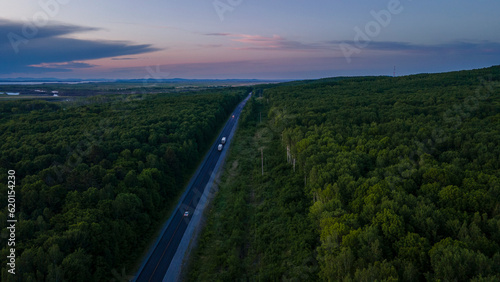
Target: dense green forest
[[258, 227], [95, 177], [400, 177]]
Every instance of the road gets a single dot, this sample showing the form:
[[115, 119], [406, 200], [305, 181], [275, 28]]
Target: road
[[156, 264]]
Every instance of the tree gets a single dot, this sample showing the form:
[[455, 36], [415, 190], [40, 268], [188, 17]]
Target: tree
[[77, 266]]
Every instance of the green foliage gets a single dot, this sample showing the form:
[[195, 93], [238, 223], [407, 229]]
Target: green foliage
[[402, 173], [258, 228], [95, 178], [398, 177]]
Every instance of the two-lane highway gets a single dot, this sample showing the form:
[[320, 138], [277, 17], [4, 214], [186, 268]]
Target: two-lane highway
[[156, 264]]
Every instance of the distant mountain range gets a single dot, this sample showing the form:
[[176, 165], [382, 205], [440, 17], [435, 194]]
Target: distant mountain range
[[50, 79], [170, 80]]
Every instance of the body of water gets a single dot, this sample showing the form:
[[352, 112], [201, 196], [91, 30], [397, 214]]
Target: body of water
[[42, 82]]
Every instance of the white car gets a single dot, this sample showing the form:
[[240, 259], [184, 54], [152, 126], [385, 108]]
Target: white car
[[220, 147], [186, 213]]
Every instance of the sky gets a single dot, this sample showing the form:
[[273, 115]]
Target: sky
[[252, 39]]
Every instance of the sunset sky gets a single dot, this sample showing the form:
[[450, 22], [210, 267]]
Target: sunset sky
[[273, 39]]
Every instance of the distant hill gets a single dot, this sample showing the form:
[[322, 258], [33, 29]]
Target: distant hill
[[138, 80]]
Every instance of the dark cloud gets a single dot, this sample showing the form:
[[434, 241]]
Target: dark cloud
[[457, 47], [218, 34], [68, 65], [258, 42], [26, 51], [276, 43], [205, 46], [381, 45], [32, 31], [273, 43], [123, 59]]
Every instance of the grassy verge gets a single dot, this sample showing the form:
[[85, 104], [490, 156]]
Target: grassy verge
[[257, 227]]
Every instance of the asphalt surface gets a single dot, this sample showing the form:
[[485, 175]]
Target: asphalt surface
[[158, 260]]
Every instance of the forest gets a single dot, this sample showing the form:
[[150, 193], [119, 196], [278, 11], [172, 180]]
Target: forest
[[96, 177], [258, 227], [365, 179]]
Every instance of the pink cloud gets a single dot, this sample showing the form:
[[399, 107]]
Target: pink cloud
[[275, 42], [266, 42]]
